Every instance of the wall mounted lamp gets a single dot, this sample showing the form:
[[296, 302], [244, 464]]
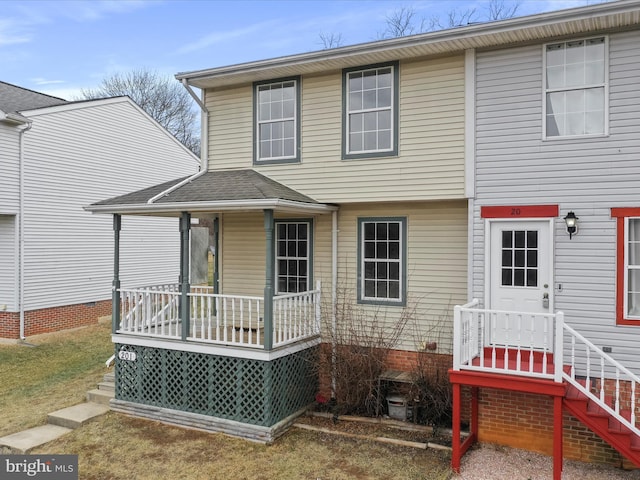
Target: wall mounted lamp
[[572, 224]]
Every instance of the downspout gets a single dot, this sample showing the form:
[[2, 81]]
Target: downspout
[[21, 227], [204, 126], [334, 297]]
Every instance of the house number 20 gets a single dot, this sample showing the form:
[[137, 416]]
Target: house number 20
[[515, 212]]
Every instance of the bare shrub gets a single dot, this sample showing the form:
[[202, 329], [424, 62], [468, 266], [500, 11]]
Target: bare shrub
[[361, 341], [431, 389]]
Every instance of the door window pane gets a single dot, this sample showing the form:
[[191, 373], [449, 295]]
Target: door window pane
[[519, 260]]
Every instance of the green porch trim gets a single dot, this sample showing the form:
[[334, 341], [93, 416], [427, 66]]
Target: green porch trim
[[115, 291], [253, 392], [185, 287], [268, 282], [216, 244]]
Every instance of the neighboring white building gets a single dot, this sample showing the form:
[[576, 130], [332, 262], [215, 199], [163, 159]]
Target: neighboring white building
[[56, 260]]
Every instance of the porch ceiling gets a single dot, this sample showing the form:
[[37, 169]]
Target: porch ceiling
[[219, 191]]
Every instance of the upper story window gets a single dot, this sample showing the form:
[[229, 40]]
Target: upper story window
[[576, 88], [277, 121], [382, 260], [370, 111]]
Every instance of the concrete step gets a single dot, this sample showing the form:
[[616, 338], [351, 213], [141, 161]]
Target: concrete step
[[77, 415], [110, 377], [23, 442], [99, 396], [107, 386]]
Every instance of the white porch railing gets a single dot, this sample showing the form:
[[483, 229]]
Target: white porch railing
[[219, 319], [513, 343], [520, 343], [601, 378]]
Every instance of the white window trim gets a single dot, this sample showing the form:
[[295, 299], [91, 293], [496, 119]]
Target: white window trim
[[583, 87], [627, 315]]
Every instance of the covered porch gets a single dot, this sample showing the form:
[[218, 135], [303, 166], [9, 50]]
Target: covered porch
[[240, 362]]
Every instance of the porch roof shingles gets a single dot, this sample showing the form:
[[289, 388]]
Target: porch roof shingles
[[222, 189]]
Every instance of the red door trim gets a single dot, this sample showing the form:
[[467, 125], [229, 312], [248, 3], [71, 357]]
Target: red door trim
[[519, 211]]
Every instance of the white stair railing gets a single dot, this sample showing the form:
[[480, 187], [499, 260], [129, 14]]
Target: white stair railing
[[591, 367]]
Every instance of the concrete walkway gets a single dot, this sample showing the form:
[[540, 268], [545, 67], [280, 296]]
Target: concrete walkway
[[62, 421]]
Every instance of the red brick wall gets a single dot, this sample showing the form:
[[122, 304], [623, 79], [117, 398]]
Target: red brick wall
[[53, 319], [513, 419], [524, 420]]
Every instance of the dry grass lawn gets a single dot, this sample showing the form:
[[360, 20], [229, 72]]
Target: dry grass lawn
[[54, 373], [58, 372]]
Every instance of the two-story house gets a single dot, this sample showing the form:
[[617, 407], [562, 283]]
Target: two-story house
[[395, 173], [56, 264]]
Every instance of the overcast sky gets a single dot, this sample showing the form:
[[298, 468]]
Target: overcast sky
[[59, 47]]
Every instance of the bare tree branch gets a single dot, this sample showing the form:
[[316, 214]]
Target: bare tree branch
[[498, 10], [330, 40], [162, 98]]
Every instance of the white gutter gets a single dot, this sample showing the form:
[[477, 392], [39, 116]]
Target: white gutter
[[334, 298], [21, 249], [218, 206], [176, 186]]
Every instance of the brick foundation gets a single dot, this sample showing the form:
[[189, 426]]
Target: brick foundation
[[513, 419], [53, 319], [524, 420]]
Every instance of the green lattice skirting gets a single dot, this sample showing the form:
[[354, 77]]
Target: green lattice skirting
[[254, 392]]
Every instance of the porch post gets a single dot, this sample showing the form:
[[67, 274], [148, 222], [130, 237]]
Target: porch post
[[268, 282], [185, 317], [456, 453], [115, 290], [557, 438], [216, 244]]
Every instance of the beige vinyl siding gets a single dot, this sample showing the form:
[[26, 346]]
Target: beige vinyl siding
[[436, 265], [430, 163], [230, 127], [74, 157], [8, 263], [589, 176], [243, 253]]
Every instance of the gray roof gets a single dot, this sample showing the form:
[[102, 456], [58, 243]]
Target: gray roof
[[218, 190], [16, 99]]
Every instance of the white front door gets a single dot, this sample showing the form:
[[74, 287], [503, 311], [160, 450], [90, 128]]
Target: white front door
[[520, 280]]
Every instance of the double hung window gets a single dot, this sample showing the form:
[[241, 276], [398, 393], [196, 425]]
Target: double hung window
[[382, 260], [293, 258], [371, 111], [576, 88], [277, 121]]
